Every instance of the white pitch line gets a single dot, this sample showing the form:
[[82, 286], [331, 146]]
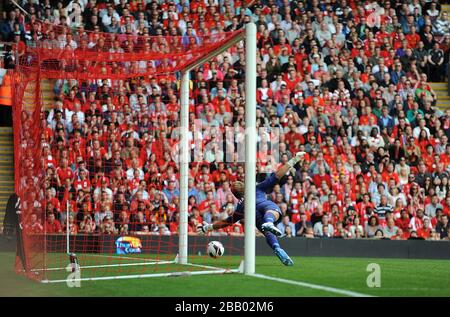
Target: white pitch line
[[208, 266], [314, 286], [126, 264], [149, 262], [122, 277], [109, 265]]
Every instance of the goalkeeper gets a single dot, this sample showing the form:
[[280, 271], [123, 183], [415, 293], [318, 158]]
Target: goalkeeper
[[267, 212]]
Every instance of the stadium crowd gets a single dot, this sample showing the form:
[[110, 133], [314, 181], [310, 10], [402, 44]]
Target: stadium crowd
[[345, 81]]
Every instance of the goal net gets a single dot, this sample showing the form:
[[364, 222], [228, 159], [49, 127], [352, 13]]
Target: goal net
[[106, 188]]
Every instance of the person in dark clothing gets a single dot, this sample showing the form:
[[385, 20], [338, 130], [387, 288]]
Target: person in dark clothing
[[339, 76], [396, 151], [435, 63], [10, 221], [443, 226], [12, 225]]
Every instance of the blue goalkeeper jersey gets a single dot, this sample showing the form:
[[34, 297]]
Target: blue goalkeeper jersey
[[262, 203]]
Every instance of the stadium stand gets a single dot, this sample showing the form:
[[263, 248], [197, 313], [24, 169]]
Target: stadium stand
[[348, 82]]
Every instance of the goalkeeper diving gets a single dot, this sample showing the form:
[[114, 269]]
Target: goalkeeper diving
[[268, 214]]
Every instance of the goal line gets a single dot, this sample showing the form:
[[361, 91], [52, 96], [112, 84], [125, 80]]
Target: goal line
[[208, 270], [146, 262]]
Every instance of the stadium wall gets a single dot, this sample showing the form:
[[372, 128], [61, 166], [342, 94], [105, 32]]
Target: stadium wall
[[410, 249]]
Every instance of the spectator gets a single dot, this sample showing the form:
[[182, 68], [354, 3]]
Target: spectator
[[52, 225], [318, 227], [34, 225], [446, 238], [383, 208], [430, 209], [71, 225], [426, 231], [379, 234], [284, 224], [372, 227], [417, 221], [356, 229], [433, 12], [442, 227], [171, 191], [309, 232], [441, 26], [288, 232], [339, 231], [325, 233], [436, 63], [87, 225], [390, 229], [107, 227], [302, 226]]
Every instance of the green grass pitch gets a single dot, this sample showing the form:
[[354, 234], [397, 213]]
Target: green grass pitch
[[399, 277]]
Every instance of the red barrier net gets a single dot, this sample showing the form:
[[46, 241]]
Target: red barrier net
[[96, 149]]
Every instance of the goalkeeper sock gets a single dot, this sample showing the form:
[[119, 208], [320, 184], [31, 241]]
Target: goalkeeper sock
[[269, 217], [272, 240]]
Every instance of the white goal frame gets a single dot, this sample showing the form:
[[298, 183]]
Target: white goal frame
[[250, 149], [248, 265]]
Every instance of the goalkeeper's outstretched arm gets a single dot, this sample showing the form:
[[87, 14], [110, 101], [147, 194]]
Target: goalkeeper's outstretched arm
[[284, 169]]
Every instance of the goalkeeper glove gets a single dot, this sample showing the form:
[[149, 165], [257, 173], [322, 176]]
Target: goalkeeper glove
[[204, 228], [297, 157]]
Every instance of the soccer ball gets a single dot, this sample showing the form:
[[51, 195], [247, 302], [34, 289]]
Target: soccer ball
[[215, 249]]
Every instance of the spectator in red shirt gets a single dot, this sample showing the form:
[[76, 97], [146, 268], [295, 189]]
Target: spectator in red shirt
[[404, 221], [33, 225], [425, 231], [52, 225], [322, 176]]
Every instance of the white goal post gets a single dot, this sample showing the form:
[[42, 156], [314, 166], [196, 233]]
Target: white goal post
[[250, 148]]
